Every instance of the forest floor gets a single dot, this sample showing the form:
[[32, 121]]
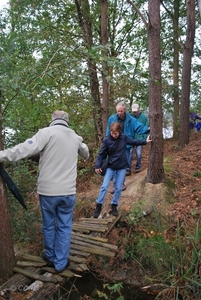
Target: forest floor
[[177, 201]]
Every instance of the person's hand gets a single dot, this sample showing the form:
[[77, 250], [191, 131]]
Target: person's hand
[[149, 139], [98, 171]]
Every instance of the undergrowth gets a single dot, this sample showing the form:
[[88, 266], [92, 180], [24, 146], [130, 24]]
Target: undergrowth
[[174, 261]]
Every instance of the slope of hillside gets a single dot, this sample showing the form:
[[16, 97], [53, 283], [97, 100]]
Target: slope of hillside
[[154, 218], [182, 185]]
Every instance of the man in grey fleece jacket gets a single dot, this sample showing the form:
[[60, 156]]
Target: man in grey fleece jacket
[[58, 147]]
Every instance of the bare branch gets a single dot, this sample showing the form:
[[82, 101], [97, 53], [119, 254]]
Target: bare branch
[[139, 13]]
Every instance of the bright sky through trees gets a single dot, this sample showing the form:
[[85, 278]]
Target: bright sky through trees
[[3, 3]]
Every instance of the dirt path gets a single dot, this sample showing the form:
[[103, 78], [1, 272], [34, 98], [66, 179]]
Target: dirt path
[[138, 194]]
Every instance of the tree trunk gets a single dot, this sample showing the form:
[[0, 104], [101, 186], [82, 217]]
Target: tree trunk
[[105, 69], [7, 257], [83, 11], [155, 169], [186, 74], [199, 6], [176, 71]]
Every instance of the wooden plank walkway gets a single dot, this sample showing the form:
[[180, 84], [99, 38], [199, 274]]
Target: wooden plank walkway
[[35, 281]]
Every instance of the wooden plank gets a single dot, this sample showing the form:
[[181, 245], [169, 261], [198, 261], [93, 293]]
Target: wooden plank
[[21, 263], [37, 276], [112, 225], [67, 273], [91, 237], [18, 280], [75, 267], [79, 260], [47, 291], [84, 267], [78, 242], [78, 228], [94, 250], [36, 285], [80, 253], [95, 221], [89, 228], [93, 227], [29, 257], [92, 242]]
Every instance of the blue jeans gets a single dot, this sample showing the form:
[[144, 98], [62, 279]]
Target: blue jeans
[[57, 212], [129, 155], [138, 156], [119, 176], [138, 151]]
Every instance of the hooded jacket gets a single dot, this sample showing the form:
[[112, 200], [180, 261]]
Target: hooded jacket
[[131, 126], [58, 147]]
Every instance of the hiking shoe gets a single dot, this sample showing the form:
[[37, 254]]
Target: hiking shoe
[[137, 170], [128, 172], [49, 263], [97, 211], [114, 210], [66, 267]]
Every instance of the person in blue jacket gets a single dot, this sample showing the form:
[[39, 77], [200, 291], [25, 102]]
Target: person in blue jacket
[[130, 126], [193, 124], [115, 143], [142, 118]]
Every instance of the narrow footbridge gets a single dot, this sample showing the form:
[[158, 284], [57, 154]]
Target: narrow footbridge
[[33, 280]]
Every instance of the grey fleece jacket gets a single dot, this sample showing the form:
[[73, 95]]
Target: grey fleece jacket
[[59, 147]]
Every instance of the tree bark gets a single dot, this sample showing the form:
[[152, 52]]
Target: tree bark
[[176, 71], [105, 69], [7, 257], [199, 6], [155, 172], [83, 11], [186, 74]]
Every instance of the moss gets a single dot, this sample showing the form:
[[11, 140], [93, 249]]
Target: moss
[[170, 183]]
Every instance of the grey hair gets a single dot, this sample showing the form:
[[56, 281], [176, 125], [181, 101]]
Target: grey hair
[[122, 104], [60, 114]]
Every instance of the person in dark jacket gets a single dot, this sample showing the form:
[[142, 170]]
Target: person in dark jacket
[[115, 144], [130, 127]]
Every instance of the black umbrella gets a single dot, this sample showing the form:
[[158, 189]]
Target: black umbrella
[[12, 187]]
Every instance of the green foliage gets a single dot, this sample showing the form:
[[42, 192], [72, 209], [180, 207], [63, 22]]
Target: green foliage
[[166, 163], [25, 223], [44, 63], [155, 253], [197, 174], [170, 182], [174, 261], [134, 215], [114, 289], [184, 277], [24, 173]]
